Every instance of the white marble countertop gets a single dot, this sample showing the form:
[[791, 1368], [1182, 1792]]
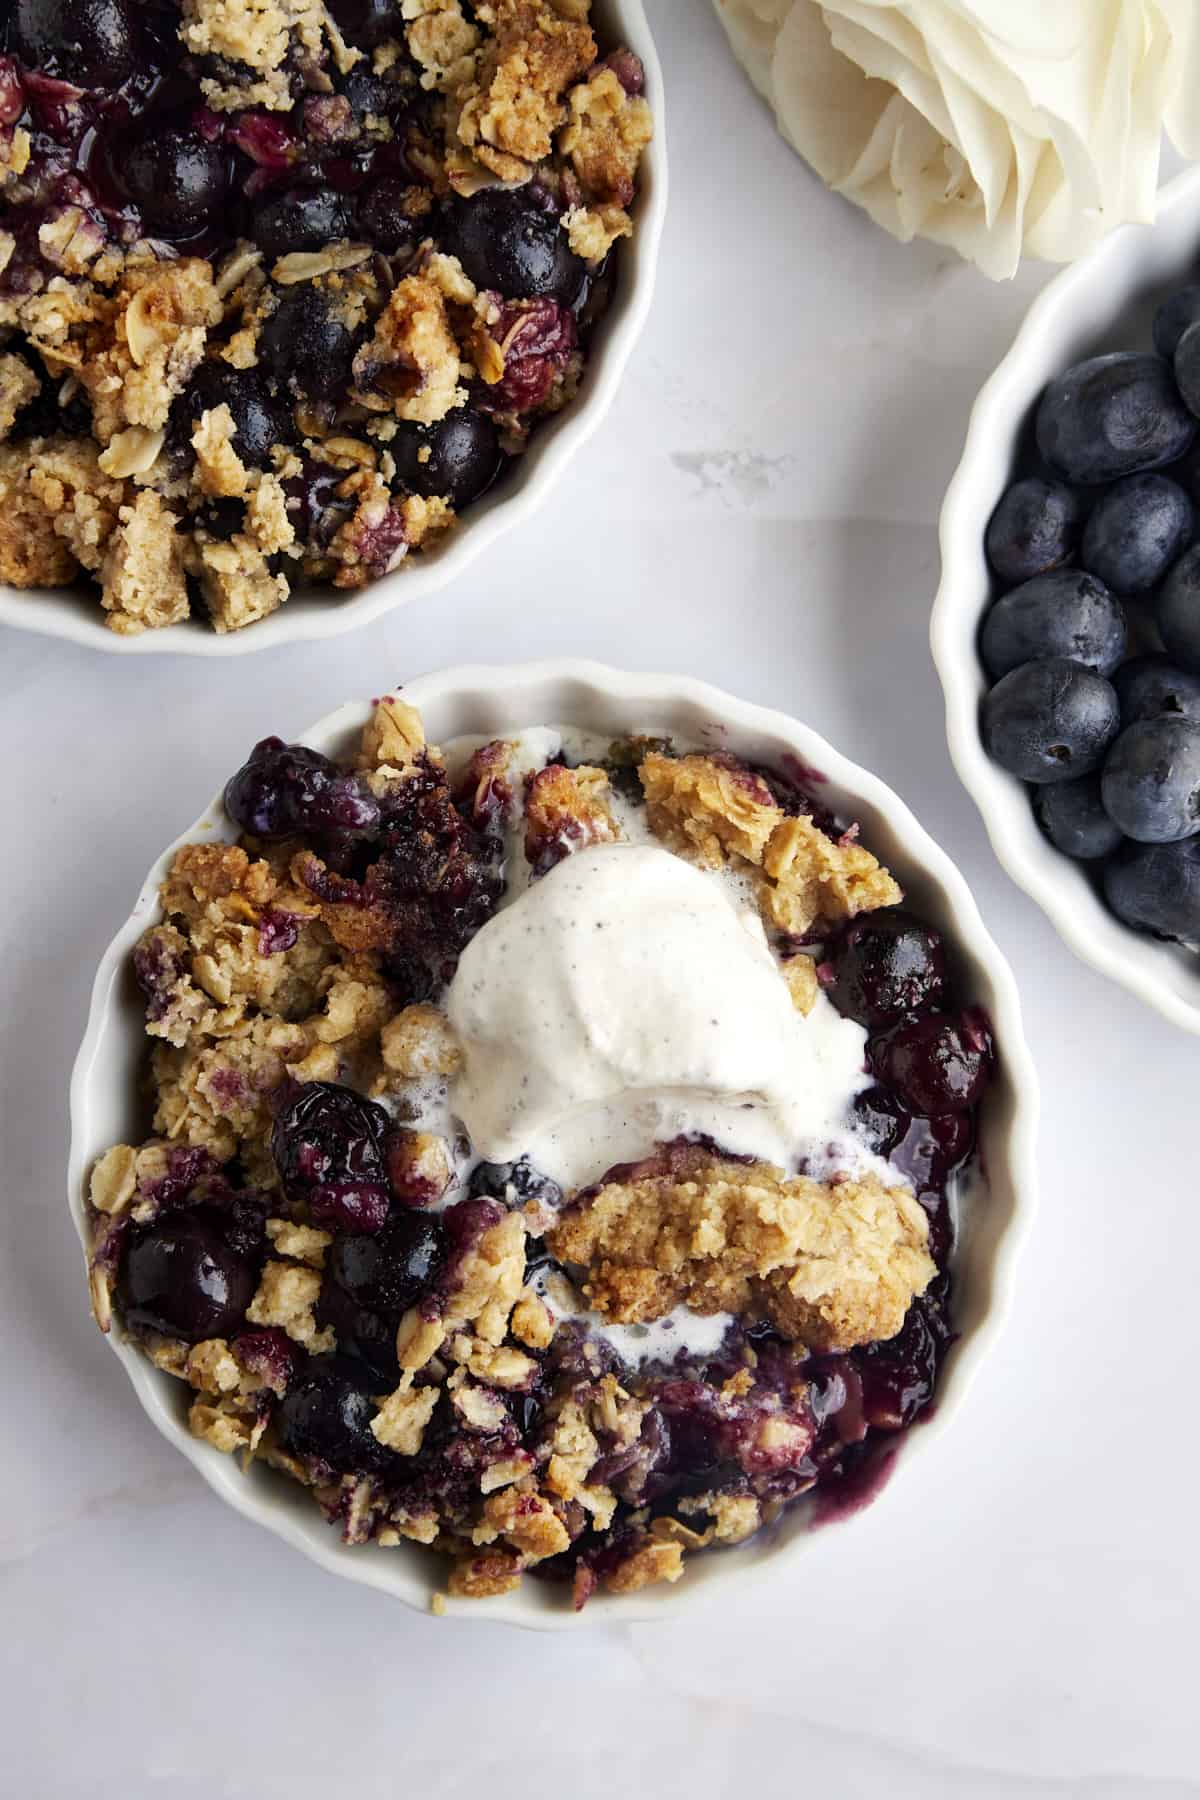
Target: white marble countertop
[[1017, 1617]]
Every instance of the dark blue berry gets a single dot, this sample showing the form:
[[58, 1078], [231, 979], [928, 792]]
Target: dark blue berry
[[513, 1181], [519, 249], [878, 1119], [1112, 416], [306, 345], [936, 1063], [1152, 780], [328, 1147], [181, 1276], [1151, 687], [1064, 613], [1035, 527], [384, 218], [1072, 815], [386, 1273], [1050, 721], [368, 22], [463, 456], [92, 43], [286, 789], [1136, 531], [260, 421], [1177, 612], [1177, 312], [326, 1414], [1156, 887], [173, 175], [885, 965], [300, 219]]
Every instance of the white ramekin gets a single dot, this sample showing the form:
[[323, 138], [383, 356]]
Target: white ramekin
[[323, 612], [104, 1100], [1103, 302]]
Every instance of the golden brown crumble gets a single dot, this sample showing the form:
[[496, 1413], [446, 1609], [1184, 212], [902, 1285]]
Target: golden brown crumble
[[834, 1264], [803, 983], [141, 577], [607, 132], [509, 111], [18, 386], [418, 1042], [651, 1563], [411, 365], [287, 1294], [566, 809], [401, 1420]]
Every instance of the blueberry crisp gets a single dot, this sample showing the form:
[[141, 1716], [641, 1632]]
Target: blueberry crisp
[[555, 1149], [284, 286]]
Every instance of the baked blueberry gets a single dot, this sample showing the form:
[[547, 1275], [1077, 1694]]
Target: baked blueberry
[[1051, 720], [1035, 527], [326, 1414], [182, 1277], [369, 22], [520, 249], [459, 457], [1156, 887], [936, 1063], [92, 43], [384, 216], [1177, 612], [513, 1181], [1136, 531], [1152, 687], [1064, 613], [387, 1272], [283, 789], [172, 174], [1112, 416], [1072, 815], [1177, 312], [1151, 781], [884, 965], [328, 1147], [306, 344], [260, 420], [300, 219]]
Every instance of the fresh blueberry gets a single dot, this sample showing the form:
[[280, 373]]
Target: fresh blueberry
[[936, 1063], [1177, 612], [1112, 416], [92, 43], [1151, 687], [1064, 613], [459, 458], [1051, 720], [1156, 887], [1035, 527], [305, 344], [1072, 815], [173, 175], [1177, 312], [328, 1147], [885, 965], [181, 1276], [1187, 368], [326, 1414], [1136, 531], [384, 216], [505, 243], [1151, 780], [300, 219]]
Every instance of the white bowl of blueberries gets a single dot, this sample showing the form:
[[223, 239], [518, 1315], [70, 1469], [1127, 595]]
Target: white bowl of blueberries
[[1067, 626]]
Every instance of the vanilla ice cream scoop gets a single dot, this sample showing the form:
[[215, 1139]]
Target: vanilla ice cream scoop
[[624, 977]]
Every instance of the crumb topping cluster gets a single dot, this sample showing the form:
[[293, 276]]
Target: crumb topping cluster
[[284, 287], [351, 1298]]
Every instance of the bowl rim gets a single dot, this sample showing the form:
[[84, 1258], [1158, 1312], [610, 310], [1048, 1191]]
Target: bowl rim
[[1132, 960], [476, 685], [57, 614]]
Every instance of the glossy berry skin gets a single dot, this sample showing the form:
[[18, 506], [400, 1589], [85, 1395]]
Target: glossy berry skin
[[464, 456], [326, 1414], [1035, 527], [328, 1147], [1072, 815], [368, 22], [183, 1278], [885, 965], [1151, 687], [383, 216], [92, 43], [936, 1063], [1151, 782], [174, 177], [878, 1119], [1177, 612], [300, 219], [306, 345], [386, 1273], [1064, 613], [519, 250], [286, 789], [260, 420], [513, 1182], [1177, 312], [1136, 531], [1050, 721], [1156, 887], [1112, 416]]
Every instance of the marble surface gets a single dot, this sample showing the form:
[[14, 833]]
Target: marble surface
[[1016, 1618]]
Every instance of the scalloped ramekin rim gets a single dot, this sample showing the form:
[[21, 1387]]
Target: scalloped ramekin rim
[[641, 699], [321, 614], [1147, 969]]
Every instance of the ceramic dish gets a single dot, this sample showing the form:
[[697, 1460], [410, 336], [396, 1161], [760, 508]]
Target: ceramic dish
[[1104, 302], [997, 1215], [322, 612]]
